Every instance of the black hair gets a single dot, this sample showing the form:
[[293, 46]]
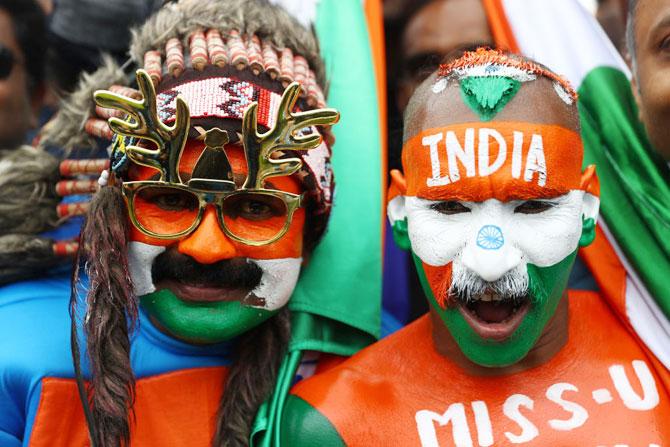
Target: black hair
[[29, 22]]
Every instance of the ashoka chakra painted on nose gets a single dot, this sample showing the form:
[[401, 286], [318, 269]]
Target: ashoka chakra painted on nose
[[490, 237]]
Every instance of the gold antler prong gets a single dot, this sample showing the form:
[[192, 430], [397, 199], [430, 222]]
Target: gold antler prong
[[281, 137], [147, 125]]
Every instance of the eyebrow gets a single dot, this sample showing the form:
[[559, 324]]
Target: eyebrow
[[659, 26]]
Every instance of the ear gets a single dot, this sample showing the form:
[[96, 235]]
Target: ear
[[590, 205], [395, 209]]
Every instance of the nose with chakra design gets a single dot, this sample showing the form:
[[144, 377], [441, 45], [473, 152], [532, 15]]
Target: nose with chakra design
[[490, 237]]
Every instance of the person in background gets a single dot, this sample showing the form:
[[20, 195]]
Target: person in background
[[438, 30], [648, 44], [81, 30], [28, 199], [22, 48]]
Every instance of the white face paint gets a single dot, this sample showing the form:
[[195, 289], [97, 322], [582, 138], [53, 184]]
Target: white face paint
[[492, 238], [279, 279], [140, 259]]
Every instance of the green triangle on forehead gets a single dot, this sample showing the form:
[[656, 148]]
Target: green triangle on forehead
[[487, 95]]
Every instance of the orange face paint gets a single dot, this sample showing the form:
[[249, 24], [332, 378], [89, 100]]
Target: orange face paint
[[439, 279], [477, 161], [208, 243]]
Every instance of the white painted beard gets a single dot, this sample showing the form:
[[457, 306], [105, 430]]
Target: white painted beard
[[279, 278], [469, 286]]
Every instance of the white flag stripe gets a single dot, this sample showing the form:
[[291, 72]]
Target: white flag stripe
[[643, 313], [563, 36]]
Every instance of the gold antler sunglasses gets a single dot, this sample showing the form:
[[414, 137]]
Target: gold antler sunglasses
[[168, 208], [169, 211]]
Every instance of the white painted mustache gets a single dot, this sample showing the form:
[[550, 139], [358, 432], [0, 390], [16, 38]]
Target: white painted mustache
[[468, 286]]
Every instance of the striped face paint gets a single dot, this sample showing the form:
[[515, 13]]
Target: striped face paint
[[494, 213], [214, 320]]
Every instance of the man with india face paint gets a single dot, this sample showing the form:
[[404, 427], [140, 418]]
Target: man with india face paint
[[493, 205]]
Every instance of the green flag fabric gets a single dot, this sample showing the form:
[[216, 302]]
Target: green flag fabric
[[336, 307], [341, 287], [635, 181]]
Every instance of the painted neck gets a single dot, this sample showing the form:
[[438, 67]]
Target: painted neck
[[553, 338]]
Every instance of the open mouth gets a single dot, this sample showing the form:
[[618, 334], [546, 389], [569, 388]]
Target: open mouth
[[493, 316]]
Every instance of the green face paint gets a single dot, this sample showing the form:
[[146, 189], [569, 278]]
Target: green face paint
[[211, 322], [588, 232], [400, 235], [487, 95], [547, 286]]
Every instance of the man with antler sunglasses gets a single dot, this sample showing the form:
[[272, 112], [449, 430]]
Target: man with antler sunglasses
[[220, 186]]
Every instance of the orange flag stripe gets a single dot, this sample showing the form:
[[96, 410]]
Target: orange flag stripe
[[503, 36], [375, 23]]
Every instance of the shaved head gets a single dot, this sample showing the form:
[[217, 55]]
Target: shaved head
[[536, 102]]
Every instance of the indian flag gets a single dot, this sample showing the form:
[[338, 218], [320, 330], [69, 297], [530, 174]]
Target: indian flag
[[336, 306], [630, 257]]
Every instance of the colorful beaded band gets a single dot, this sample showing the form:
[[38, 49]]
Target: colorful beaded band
[[211, 47], [219, 97]]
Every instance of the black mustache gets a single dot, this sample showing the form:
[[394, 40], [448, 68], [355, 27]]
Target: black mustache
[[229, 273]]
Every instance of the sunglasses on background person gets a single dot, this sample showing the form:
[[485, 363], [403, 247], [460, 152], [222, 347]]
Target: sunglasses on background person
[[7, 62]]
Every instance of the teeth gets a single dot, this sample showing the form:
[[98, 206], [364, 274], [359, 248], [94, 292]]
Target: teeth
[[490, 297]]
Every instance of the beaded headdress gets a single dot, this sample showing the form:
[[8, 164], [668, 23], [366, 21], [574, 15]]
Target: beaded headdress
[[219, 70]]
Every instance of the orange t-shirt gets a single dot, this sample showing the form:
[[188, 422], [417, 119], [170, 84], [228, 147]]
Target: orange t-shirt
[[601, 389], [177, 408], [171, 409]]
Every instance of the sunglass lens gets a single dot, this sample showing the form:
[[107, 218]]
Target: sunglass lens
[[6, 62], [254, 217], [165, 211]]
